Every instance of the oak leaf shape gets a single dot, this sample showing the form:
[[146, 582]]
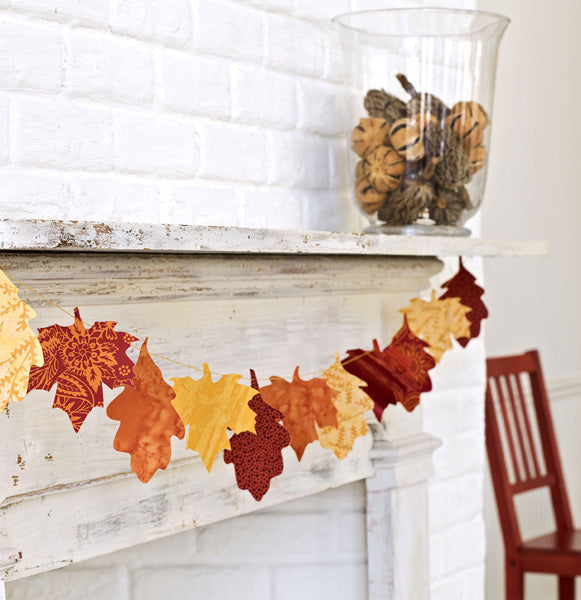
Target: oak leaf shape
[[388, 375], [147, 418], [304, 404], [352, 403], [437, 321], [210, 409], [19, 346], [463, 286], [257, 457], [79, 361], [408, 344]]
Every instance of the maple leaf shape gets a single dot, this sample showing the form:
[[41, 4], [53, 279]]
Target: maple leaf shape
[[257, 457], [19, 346], [148, 418], [210, 409], [303, 403], [463, 286], [408, 344], [80, 360], [352, 403], [388, 374], [437, 321]]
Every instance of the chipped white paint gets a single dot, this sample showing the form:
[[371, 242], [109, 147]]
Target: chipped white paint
[[85, 236]]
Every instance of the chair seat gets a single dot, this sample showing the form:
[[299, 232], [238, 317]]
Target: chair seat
[[557, 552]]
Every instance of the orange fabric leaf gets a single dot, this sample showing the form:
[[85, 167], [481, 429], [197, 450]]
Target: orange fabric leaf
[[257, 457], [79, 361], [463, 286], [304, 404], [147, 419], [210, 409], [352, 403]]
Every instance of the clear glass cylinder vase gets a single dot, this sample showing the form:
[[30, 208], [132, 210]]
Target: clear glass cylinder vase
[[419, 91]]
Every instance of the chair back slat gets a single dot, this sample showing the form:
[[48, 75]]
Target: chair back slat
[[518, 462]]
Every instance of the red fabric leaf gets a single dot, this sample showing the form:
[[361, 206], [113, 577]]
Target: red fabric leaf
[[463, 286], [79, 361], [257, 457], [388, 374]]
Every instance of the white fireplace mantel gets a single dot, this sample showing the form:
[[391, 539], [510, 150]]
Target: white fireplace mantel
[[233, 298]]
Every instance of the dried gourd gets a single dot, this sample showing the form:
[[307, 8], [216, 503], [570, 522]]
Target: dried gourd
[[476, 157], [466, 128], [368, 198], [385, 169], [368, 135], [474, 110], [406, 138]]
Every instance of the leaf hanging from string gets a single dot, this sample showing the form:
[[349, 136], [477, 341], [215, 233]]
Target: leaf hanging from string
[[79, 361], [352, 403], [257, 457], [437, 321], [210, 409], [304, 404], [19, 346], [147, 418], [463, 286]]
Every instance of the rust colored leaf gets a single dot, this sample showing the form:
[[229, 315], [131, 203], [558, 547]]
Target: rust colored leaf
[[388, 374], [406, 343], [257, 457], [304, 404], [210, 409], [147, 418], [352, 403], [463, 286], [437, 321], [79, 361], [19, 346]]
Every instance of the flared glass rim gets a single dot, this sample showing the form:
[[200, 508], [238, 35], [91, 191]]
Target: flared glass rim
[[496, 20]]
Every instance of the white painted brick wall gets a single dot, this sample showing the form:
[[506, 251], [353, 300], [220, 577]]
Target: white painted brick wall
[[225, 112]]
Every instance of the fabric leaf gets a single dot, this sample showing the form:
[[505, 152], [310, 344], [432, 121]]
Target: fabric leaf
[[210, 409], [352, 403], [19, 346], [79, 361], [147, 418], [257, 457], [388, 375], [463, 286], [304, 404], [437, 321]]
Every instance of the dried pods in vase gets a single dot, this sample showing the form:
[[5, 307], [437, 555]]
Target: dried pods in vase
[[417, 159]]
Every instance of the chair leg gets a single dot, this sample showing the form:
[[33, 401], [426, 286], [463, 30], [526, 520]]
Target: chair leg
[[566, 588], [514, 582]]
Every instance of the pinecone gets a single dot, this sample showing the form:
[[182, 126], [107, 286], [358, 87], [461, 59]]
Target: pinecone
[[453, 170], [378, 103], [433, 140]]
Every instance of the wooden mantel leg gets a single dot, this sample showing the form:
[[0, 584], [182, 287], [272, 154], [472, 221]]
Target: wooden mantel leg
[[397, 518]]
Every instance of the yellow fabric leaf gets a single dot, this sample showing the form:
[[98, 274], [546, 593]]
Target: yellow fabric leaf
[[19, 346], [437, 321], [210, 409], [351, 403]]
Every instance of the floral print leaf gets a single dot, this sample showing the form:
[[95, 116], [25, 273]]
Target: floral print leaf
[[79, 361]]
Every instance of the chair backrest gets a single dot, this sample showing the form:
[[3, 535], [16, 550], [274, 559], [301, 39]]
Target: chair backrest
[[521, 444]]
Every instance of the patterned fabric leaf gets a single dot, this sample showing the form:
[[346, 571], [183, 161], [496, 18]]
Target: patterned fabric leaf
[[463, 285], [147, 419], [79, 361], [437, 321], [388, 375], [19, 346], [257, 457], [406, 343], [210, 409], [304, 404], [352, 403]]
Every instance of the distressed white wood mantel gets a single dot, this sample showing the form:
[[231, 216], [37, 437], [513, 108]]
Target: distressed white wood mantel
[[193, 291]]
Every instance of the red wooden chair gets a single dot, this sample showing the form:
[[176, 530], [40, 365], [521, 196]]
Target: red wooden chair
[[519, 463]]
